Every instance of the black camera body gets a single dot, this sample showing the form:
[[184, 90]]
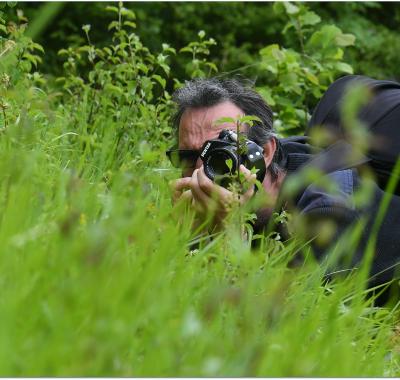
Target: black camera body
[[221, 158]]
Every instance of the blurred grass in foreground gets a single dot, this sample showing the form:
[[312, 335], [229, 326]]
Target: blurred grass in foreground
[[97, 280]]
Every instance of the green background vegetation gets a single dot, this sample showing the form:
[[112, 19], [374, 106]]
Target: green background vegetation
[[98, 278], [240, 29]]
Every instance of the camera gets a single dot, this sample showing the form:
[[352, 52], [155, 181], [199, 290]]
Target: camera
[[221, 158]]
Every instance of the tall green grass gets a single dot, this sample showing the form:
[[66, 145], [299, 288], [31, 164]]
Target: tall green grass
[[98, 279]]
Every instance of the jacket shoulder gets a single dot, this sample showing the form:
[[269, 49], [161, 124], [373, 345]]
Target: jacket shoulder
[[333, 192]]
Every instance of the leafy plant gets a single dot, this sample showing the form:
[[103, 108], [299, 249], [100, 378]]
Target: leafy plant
[[198, 65], [124, 80], [19, 55], [297, 78]]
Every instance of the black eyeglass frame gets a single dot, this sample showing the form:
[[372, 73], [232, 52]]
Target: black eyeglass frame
[[183, 158]]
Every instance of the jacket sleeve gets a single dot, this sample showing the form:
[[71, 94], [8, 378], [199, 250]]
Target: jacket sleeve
[[329, 219], [340, 232]]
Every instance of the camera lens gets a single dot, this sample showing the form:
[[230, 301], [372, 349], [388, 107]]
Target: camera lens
[[216, 164]]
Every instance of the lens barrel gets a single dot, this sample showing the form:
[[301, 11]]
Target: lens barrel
[[221, 162]]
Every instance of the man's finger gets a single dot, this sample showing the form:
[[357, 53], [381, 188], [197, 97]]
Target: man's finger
[[247, 194], [198, 194], [250, 180], [178, 186], [186, 196], [211, 188], [248, 175], [205, 183]]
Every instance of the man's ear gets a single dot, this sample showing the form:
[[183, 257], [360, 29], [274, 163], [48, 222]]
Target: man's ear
[[269, 151]]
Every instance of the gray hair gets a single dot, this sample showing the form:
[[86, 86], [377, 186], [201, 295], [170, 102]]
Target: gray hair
[[209, 92]]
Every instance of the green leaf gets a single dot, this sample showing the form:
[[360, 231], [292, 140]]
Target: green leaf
[[271, 67], [223, 120], [290, 8], [161, 58], [288, 26], [107, 50], [212, 66], [338, 55], [229, 164], [38, 47], [112, 9], [62, 52], [248, 119], [211, 41], [345, 39], [130, 23], [113, 24], [165, 67], [128, 13], [113, 89], [273, 51], [271, 57], [312, 78], [325, 37], [84, 48], [309, 18], [344, 67], [31, 58], [141, 66], [168, 48], [266, 94], [267, 51], [185, 49], [301, 114], [160, 80]]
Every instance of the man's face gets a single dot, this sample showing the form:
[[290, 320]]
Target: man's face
[[198, 125]]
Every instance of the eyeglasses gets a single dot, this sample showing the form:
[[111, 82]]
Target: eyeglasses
[[183, 158]]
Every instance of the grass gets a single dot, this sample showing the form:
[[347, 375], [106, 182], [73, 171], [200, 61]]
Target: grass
[[97, 280]]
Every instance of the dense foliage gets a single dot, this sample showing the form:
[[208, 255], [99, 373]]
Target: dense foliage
[[240, 29], [97, 275]]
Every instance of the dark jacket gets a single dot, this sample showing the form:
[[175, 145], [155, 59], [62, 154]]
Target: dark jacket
[[380, 115], [315, 205]]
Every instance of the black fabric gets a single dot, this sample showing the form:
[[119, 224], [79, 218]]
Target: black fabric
[[339, 207], [296, 152], [381, 116], [340, 164]]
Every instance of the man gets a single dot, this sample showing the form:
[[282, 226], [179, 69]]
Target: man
[[202, 102]]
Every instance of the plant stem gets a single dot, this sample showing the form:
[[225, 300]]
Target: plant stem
[[238, 149], [3, 107], [303, 53], [119, 16], [238, 178]]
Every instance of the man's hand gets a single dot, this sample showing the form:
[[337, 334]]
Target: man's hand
[[208, 198]]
